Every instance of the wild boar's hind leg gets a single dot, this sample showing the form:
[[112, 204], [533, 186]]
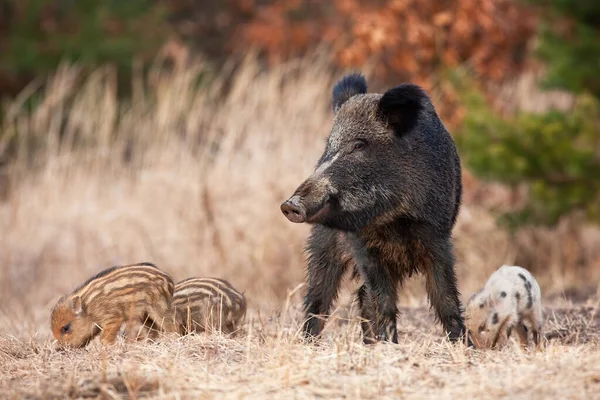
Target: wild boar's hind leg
[[442, 290], [377, 300], [324, 274], [365, 304]]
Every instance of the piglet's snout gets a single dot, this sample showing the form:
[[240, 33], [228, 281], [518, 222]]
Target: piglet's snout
[[294, 210]]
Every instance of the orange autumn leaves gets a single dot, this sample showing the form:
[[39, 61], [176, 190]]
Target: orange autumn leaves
[[410, 39]]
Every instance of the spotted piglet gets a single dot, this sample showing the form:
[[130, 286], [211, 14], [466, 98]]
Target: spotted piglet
[[510, 299]]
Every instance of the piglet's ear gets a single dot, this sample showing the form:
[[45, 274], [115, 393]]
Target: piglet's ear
[[348, 86], [76, 305], [401, 106]]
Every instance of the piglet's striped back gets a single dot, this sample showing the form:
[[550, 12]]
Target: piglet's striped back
[[123, 280], [205, 304]]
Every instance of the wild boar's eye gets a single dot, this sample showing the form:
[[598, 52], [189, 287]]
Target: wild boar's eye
[[65, 329], [360, 144]]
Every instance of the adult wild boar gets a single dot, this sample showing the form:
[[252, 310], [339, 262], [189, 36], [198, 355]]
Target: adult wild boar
[[383, 200]]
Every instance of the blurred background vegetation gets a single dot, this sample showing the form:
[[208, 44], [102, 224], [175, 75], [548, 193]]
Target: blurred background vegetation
[[516, 81], [557, 152]]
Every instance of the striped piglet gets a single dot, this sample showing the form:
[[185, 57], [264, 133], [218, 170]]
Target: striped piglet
[[130, 294]]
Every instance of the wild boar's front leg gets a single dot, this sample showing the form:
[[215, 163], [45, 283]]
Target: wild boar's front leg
[[379, 305], [324, 273], [377, 297]]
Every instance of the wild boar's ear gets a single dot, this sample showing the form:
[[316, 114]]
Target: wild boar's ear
[[348, 86], [76, 305], [402, 105]]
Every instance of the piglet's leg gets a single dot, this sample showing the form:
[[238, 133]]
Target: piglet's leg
[[537, 338], [132, 331], [150, 330], [536, 333], [537, 322], [110, 331], [521, 330], [140, 330], [164, 318]]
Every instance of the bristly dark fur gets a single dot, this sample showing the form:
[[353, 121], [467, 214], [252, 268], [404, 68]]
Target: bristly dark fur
[[349, 86], [402, 105], [108, 271]]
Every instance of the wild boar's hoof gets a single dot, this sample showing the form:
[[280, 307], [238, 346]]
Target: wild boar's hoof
[[310, 339], [369, 340], [293, 210]]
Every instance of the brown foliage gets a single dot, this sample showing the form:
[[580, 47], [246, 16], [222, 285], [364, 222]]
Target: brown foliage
[[408, 38]]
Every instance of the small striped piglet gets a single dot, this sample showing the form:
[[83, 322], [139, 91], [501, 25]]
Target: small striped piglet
[[207, 304], [510, 299], [130, 294]]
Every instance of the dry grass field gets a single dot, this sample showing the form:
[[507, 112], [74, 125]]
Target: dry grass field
[[192, 181], [267, 360]]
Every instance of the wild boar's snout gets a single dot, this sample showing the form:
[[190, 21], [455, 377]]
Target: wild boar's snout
[[294, 210]]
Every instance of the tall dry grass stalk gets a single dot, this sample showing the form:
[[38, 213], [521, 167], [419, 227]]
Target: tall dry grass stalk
[[182, 176]]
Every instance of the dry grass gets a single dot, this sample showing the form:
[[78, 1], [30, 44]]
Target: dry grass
[[192, 181], [268, 361]]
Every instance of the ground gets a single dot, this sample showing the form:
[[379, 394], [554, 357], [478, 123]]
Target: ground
[[267, 360]]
